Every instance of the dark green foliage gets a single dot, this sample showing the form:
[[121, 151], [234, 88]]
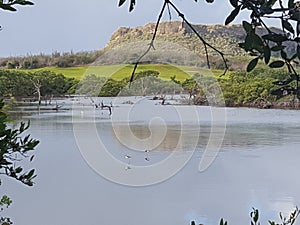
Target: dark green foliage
[[132, 4], [233, 14], [55, 60], [13, 148], [276, 64], [21, 84], [252, 64], [264, 45], [254, 215], [10, 4], [222, 222]]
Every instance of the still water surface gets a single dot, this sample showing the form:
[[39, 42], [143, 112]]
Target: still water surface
[[257, 166]]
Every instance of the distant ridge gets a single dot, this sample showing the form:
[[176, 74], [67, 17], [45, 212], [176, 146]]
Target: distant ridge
[[225, 38], [131, 42]]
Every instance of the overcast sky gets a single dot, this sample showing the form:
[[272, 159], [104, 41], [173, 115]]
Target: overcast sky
[[68, 25]]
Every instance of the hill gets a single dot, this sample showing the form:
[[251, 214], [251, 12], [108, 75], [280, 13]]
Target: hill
[[175, 44]]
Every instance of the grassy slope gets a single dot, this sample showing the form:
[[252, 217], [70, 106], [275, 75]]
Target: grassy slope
[[119, 72]]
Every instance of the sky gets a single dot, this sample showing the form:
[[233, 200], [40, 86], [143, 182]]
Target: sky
[[68, 25]]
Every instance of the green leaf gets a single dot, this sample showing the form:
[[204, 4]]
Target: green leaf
[[247, 27], [272, 222], [283, 54], [19, 170], [278, 38], [121, 2], [291, 4], [276, 64], [7, 7], [257, 43], [221, 221], [234, 3], [232, 15], [23, 2], [286, 25], [278, 48], [270, 3], [30, 174], [252, 64], [283, 82], [267, 54], [298, 51], [132, 4], [31, 158], [256, 215], [248, 42]]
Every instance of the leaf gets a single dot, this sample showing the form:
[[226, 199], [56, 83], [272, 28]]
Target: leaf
[[234, 3], [31, 158], [270, 3], [283, 82], [232, 15], [248, 43], [298, 51], [247, 27], [276, 64], [298, 28], [286, 25], [30, 174], [257, 43], [121, 2], [252, 64], [19, 170], [291, 4], [132, 4], [256, 215], [221, 222], [8, 7], [283, 54], [278, 38], [267, 54], [23, 2], [278, 48]]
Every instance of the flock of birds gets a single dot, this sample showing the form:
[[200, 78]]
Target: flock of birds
[[128, 158]]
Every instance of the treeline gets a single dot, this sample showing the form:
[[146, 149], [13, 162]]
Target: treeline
[[144, 83], [56, 59], [39, 85], [258, 88]]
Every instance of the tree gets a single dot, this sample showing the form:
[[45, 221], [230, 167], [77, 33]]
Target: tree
[[261, 42], [15, 146]]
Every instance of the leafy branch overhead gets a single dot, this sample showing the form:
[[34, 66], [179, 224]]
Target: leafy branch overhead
[[10, 4], [262, 46], [14, 148], [168, 4]]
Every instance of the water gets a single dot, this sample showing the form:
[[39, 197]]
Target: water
[[257, 166]]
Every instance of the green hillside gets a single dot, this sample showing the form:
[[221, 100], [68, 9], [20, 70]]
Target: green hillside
[[118, 72]]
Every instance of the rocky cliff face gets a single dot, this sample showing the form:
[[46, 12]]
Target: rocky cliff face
[[165, 28], [225, 38], [176, 43]]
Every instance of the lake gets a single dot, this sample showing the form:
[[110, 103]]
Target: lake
[[141, 164]]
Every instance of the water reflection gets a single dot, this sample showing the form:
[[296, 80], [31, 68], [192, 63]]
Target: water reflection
[[257, 167]]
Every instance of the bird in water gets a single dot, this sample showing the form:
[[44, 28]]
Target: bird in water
[[146, 155]]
